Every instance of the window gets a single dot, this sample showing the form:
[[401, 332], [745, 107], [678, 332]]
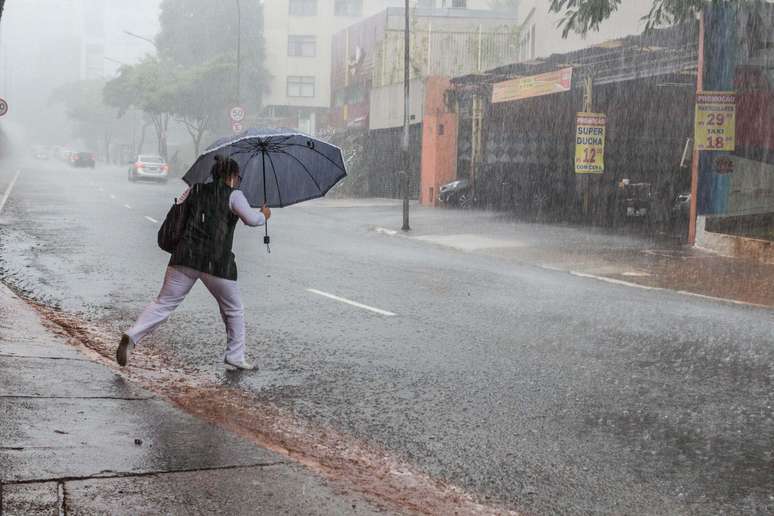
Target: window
[[300, 86], [348, 8], [302, 46], [456, 4], [303, 7]]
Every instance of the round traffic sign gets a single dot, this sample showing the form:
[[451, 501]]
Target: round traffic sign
[[236, 127], [237, 114], [3, 107]]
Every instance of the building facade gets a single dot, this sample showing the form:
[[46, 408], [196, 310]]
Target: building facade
[[298, 35]]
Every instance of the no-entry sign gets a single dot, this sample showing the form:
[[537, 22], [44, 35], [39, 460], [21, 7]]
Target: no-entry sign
[[3, 107]]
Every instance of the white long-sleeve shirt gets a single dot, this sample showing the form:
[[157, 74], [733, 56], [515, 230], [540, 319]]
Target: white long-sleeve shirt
[[239, 206]]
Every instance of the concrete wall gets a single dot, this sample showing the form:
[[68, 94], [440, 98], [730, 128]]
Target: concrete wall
[[732, 245], [386, 105]]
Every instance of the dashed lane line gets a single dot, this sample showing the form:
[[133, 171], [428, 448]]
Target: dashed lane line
[[350, 302], [127, 207], [8, 190], [151, 219]]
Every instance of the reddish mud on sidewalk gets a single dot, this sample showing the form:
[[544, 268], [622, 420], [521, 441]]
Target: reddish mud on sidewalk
[[349, 463]]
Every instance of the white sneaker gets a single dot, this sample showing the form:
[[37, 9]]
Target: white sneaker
[[124, 348], [243, 365]]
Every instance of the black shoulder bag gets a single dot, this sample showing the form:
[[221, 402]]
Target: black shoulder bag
[[172, 228]]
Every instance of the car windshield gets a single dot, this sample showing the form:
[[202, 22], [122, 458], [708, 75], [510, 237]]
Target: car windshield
[[151, 159]]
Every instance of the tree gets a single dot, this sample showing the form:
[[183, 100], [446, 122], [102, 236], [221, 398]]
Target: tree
[[582, 16], [149, 87], [202, 93], [94, 122], [196, 31]]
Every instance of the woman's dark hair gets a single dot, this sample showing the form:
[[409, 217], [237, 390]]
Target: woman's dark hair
[[224, 168]]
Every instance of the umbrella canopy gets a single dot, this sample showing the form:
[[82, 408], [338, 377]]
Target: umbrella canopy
[[279, 167]]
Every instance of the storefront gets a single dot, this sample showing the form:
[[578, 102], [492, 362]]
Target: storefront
[[520, 152]]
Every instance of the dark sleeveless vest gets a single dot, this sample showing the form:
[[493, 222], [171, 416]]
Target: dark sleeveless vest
[[209, 232]]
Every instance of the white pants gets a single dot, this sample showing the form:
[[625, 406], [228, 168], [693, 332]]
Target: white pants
[[178, 281]]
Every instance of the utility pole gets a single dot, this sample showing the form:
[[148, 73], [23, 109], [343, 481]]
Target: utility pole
[[406, 97], [238, 53]]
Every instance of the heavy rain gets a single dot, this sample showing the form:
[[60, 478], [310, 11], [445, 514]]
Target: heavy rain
[[386, 257]]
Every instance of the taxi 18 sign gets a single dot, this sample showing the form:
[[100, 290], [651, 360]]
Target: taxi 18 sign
[[590, 143], [715, 125]]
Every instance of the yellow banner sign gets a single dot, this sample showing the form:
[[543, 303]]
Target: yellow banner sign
[[532, 86], [590, 143], [715, 124]]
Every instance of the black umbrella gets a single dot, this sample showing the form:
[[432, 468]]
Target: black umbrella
[[279, 167]]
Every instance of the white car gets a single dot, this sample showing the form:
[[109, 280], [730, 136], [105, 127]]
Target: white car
[[149, 167]]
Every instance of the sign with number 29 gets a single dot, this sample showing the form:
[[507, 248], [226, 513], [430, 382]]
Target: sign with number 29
[[715, 124]]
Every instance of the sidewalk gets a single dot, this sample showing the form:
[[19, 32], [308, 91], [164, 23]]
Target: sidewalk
[[590, 252], [76, 438]]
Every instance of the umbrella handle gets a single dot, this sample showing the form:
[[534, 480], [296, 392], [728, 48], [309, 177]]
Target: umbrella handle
[[266, 238]]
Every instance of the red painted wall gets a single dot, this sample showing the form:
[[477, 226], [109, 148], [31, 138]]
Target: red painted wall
[[439, 142]]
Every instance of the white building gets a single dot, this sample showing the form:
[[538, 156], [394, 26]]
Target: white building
[[298, 36]]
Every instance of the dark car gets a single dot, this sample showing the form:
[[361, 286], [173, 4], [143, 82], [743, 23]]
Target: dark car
[[456, 193], [83, 159]]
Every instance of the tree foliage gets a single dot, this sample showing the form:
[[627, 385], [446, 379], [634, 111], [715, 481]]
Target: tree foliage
[[94, 121], [582, 16], [146, 86], [193, 80], [201, 31]]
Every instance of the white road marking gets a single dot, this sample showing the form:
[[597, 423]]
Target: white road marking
[[613, 281], [349, 302], [127, 207], [151, 219], [101, 189], [721, 299], [8, 190], [645, 287], [385, 231], [112, 196]]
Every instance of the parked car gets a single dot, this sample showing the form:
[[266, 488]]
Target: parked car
[[149, 167], [83, 159], [63, 154], [457, 193]]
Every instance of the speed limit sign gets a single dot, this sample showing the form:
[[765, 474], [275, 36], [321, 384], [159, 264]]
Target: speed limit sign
[[237, 114], [3, 107]]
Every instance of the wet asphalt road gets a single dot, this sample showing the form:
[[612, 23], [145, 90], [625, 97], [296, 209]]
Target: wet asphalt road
[[533, 388]]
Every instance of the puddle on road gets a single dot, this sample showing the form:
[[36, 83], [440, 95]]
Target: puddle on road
[[352, 464]]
